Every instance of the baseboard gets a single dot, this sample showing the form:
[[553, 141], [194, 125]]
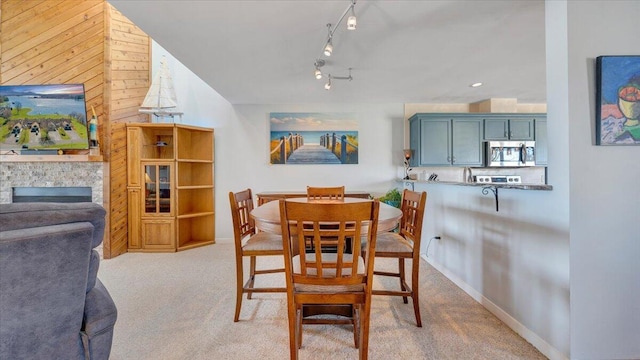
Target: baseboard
[[544, 347]]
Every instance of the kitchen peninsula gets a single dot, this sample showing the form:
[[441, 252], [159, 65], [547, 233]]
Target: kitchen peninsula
[[486, 187]]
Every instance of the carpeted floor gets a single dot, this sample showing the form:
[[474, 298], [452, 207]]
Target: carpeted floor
[[180, 306]]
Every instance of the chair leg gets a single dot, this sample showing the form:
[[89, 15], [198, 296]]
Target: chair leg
[[365, 316], [293, 330], [415, 270], [300, 313], [402, 278], [252, 274], [355, 315], [239, 287]]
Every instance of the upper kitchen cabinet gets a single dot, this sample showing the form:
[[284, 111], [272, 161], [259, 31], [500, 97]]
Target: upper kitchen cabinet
[[446, 140], [541, 141], [510, 126]]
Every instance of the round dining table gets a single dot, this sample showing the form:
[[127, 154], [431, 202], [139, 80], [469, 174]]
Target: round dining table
[[267, 215]]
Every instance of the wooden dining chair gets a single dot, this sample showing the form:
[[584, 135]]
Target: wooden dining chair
[[405, 244], [325, 193], [252, 244], [329, 279]]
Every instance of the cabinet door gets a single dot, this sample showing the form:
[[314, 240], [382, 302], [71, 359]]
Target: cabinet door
[[134, 218], [496, 129], [541, 142], [466, 143], [158, 234], [521, 129], [158, 189], [435, 142]]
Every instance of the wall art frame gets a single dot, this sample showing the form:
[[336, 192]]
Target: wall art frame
[[618, 100], [313, 138]]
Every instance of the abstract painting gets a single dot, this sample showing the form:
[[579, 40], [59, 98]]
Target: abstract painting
[[618, 100], [313, 138]]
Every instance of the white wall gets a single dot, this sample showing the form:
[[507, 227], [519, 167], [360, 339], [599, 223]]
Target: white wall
[[514, 261], [605, 193], [242, 154]]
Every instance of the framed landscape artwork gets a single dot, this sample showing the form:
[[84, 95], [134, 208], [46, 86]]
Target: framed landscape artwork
[[618, 100], [313, 138], [42, 117]]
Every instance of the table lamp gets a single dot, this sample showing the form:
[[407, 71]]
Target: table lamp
[[407, 157]]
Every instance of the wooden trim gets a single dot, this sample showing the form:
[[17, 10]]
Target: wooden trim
[[50, 158]]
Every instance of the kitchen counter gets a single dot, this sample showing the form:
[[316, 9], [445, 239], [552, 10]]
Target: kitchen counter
[[483, 185], [486, 187]]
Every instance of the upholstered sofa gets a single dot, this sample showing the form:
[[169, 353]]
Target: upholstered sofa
[[52, 305]]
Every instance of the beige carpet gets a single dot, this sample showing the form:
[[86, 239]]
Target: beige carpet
[[180, 306]]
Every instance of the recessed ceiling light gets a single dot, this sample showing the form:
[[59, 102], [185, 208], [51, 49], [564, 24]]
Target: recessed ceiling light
[[476, 84]]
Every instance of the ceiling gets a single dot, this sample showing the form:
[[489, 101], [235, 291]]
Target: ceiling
[[263, 52]]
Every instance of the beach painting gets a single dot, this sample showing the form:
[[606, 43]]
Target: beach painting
[[313, 138], [618, 100]]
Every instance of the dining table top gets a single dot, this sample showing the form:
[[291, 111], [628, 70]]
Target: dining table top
[[267, 215]]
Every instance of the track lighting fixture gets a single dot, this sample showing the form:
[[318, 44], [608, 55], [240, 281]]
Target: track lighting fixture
[[351, 20], [327, 48], [327, 86], [318, 64]]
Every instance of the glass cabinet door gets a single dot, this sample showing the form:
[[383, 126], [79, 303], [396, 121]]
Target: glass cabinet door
[[157, 179]]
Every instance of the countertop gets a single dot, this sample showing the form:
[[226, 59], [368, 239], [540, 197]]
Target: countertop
[[499, 186]]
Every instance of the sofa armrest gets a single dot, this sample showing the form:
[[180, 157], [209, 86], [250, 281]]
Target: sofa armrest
[[100, 311], [16, 216], [99, 319]]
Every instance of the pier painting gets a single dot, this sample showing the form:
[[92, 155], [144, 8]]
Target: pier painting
[[313, 138]]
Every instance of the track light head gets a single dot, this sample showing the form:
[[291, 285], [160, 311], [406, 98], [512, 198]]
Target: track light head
[[328, 49], [318, 64], [327, 86], [351, 23], [351, 20]]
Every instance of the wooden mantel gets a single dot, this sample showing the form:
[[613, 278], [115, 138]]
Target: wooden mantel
[[51, 158]]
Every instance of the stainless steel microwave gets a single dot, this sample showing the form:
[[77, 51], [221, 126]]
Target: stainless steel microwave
[[511, 153]]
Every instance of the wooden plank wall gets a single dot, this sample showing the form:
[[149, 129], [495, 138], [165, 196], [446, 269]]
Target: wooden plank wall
[[128, 79], [90, 42]]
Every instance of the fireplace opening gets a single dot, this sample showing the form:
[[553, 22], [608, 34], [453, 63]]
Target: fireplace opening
[[52, 194]]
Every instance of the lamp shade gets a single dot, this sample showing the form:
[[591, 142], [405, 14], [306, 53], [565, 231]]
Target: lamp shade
[[408, 153]]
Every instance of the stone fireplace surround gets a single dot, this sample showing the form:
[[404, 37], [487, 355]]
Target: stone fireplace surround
[[52, 174]]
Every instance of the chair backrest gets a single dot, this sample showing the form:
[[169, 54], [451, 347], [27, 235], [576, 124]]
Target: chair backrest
[[243, 224], [321, 220], [325, 193], [412, 206]]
